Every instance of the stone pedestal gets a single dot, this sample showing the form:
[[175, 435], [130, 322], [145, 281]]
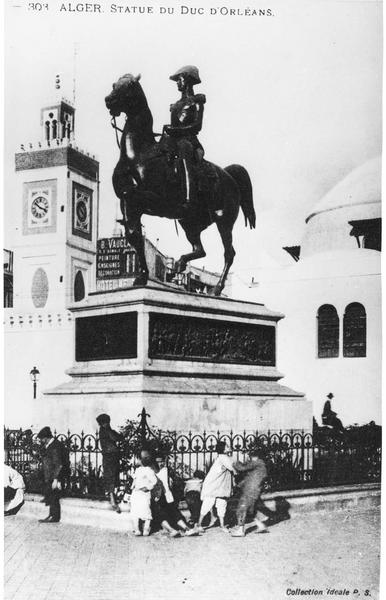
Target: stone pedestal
[[194, 362]]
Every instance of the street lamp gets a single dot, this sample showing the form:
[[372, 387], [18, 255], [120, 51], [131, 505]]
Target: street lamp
[[34, 374]]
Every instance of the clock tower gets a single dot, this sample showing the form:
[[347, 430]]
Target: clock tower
[[57, 192]]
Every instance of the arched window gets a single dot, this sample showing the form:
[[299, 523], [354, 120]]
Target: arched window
[[354, 330], [328, 332], [79, 289], [63, 126]]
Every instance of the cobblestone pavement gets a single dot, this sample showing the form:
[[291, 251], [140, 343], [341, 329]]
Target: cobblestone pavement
[[318, 551]]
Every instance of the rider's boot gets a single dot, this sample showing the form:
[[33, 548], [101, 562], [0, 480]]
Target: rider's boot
[[190, 186]]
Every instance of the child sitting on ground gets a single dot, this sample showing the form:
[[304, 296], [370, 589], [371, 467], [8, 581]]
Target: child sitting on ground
[[144, 481], [192, 494], [170, 517]]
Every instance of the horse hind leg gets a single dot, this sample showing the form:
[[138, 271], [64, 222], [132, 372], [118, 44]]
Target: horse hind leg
[[229, 255], [198, 251]]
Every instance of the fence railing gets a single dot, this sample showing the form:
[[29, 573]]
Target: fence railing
[[294, 459]]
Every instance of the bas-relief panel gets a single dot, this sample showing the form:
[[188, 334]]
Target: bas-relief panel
[[194, 338]]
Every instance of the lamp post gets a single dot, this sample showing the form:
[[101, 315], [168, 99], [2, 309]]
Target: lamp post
[[34, 374]]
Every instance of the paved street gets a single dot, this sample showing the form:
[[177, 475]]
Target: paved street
[[319, 551]]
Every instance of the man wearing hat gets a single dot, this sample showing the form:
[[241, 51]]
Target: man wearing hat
[[329, 417], [180, 137], [54, 467], [110, 457]]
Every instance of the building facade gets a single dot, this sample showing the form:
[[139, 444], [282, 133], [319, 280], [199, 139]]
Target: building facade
[[57, 191], [54, 247], [330, 340]]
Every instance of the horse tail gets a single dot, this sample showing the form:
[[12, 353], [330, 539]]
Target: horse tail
[[241, 177]]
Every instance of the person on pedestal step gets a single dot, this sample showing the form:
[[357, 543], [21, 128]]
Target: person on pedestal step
[[250, 500], [56, 467], [217, 487], [109, 440], [329, 417], [180, 137]]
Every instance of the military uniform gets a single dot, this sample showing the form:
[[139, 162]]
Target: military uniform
[[180, 137]]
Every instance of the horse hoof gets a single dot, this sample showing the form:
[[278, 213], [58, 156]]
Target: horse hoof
[[140, 281], [217, 291]]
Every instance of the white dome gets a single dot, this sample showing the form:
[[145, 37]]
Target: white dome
[[356, 197]]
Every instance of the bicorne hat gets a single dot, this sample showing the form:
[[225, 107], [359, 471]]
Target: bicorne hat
[[189, 71]]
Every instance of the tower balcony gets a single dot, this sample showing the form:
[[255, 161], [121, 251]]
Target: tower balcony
[[52, 144]]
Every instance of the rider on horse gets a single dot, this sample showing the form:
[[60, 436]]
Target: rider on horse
[[145, 186], [180, 138]]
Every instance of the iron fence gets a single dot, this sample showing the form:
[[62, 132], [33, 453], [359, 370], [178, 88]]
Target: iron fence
[[295, 459]]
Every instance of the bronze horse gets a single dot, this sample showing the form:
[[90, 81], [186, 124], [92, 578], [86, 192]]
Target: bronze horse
[[144, 183]]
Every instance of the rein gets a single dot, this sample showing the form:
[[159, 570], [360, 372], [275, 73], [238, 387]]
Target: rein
[[115, 126]]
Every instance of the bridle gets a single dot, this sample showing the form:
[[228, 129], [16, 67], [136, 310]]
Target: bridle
[[116, 128]]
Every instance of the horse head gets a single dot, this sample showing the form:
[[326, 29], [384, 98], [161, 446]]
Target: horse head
[[127, 96]]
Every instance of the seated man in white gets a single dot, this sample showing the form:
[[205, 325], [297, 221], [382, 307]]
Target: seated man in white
[[13, 491]]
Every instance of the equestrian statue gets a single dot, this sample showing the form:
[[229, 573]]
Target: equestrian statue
[[170, 178]]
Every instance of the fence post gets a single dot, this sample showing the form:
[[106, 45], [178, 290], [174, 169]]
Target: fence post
[[143, 426]]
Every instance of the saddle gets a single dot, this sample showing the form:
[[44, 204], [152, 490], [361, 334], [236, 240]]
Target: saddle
[[204, 172]]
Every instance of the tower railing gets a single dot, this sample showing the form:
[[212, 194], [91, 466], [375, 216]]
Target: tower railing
[[52, 144]]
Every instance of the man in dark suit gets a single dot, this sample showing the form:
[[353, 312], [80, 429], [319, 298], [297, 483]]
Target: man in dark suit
[[54, 466], [109, 441]]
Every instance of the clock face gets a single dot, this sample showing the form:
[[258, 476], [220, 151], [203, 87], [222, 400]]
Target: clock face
[[40, 207], [82, 211]]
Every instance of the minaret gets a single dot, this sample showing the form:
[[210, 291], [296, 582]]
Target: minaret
[[58, 120], [57, 191]]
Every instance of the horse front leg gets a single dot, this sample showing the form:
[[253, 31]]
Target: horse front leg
[[133, 234]]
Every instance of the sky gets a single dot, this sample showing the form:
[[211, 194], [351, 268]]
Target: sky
[[294, 97]]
